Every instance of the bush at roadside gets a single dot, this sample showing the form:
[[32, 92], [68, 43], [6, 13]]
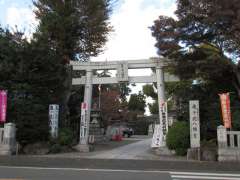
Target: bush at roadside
[[65, 137], [178, 138]]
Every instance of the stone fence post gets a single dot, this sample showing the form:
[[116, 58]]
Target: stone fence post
[[8, 145], [222, 137]]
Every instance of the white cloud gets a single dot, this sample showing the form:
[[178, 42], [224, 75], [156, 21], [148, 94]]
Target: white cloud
[[132, 38], [22, 18], [2, 1]]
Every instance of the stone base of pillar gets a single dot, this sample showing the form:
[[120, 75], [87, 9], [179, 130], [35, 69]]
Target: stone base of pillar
[[194, 154], [83, 148], [5, 150], [164, 151]]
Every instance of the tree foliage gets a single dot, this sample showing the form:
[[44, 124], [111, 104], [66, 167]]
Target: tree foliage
[[76, 29], [149, 91], [137, 102], [203, 44], [31, 85], [198, 41], [178, 138], [110, 106], [36, 73]]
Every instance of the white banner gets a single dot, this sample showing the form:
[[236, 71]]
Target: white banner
[[156, 140], [53, 119], [163, 123], [83, 123], [164, 118], [194, 124]]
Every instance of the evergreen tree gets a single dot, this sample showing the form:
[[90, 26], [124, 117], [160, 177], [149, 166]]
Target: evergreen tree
[[203, 45], [75, 30], [137, 103], [31, 84]]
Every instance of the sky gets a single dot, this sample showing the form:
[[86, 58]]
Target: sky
[[131, 19], [131, 37]]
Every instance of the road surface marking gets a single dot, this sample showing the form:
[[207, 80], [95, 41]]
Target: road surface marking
[[209, 176], [205, 174], [82, 169]]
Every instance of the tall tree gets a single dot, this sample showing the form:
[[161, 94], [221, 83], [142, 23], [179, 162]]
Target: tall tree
[[137, 103], [31, 85], [203, 45], [199, 41], [149, 91], [75, 30], [110, 106]]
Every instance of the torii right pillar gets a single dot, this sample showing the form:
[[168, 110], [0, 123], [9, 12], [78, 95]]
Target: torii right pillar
[[162, 150]]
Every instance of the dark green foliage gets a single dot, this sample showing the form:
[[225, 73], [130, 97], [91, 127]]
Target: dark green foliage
[[76, 29], [55, 148], [140, 126], [65, 137], [149, 91], [137, 102], [32, 75], [178, 138], [37, 73], [124, 91], [197, 42]]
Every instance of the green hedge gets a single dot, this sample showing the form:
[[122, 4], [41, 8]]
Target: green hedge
[[178, 138]]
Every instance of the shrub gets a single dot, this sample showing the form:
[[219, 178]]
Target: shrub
[[55, 148], [178, 138], [65, 137]]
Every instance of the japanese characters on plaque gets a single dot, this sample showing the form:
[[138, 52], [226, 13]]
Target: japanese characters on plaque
[[164, 118], [53, 119], [83, 123], [226, 112], [194, 124], [122, 71], [156, 140]]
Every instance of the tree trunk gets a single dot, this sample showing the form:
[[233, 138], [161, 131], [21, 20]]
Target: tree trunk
[[65, 97]]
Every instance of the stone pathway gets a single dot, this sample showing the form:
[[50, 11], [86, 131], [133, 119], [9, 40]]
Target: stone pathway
[[137, 150]]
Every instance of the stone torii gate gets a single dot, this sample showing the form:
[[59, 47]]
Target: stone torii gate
[[122, 76]]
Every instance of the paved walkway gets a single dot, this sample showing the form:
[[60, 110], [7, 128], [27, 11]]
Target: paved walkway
[[136, 150]]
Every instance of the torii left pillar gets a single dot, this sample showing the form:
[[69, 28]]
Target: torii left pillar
[[83, 145], [162, 150]]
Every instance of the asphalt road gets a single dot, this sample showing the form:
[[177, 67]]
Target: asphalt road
[[128, 162], [39, 173], [45, 168], [78, 174]]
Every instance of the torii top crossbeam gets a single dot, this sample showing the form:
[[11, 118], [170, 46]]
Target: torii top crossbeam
[[122, 71], [110, 65]]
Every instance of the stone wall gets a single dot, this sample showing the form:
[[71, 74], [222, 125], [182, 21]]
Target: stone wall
[[228, 145]]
